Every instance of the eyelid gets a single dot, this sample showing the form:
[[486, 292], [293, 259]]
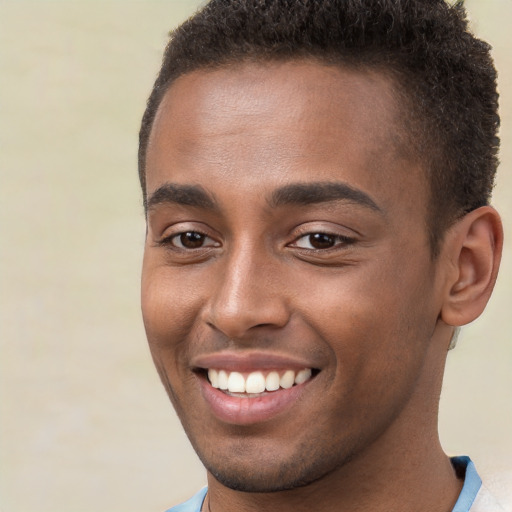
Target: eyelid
[[327, 228], [343, 241], [169, 241], [178, 229]]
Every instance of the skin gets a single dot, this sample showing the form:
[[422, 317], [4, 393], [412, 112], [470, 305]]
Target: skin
[[370, 309]]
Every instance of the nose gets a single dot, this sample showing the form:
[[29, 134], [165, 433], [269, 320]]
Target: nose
[[249, 295]]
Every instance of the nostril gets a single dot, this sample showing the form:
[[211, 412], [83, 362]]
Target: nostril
[[259, 326]]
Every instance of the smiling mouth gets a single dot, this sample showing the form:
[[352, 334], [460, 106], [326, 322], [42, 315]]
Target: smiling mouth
[[257, 383]]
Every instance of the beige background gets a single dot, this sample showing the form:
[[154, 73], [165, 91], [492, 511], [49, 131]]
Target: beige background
[[85, 424]]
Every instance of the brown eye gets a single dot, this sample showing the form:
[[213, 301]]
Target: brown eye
[[321, 240], [190, 240]]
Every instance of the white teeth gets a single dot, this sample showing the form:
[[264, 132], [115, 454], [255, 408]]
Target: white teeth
[[303, 376], [213, 377], [272, 381], [223, 380], [288, 379], [255, 383], [236, 383]]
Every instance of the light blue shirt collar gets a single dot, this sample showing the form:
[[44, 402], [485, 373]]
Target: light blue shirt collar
[[472, 483]]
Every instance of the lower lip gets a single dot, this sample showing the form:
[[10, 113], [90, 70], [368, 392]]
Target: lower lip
[[245, 411]]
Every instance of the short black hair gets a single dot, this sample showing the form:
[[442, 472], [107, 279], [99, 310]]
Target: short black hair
[[446, 74]]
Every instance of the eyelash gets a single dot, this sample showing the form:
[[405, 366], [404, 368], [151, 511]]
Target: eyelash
[[169, 240], [338, 241]]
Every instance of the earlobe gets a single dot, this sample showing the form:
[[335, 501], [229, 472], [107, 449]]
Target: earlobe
[[474, 243]]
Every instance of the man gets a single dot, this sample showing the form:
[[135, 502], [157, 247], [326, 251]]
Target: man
[[316, 176]]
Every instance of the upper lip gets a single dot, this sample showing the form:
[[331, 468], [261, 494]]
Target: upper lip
[[249, 361]]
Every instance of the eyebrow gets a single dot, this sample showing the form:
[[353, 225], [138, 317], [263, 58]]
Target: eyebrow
[[295, 193], [320, 192], [186, 195]]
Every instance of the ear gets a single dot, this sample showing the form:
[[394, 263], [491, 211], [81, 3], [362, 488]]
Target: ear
[[473, 246]]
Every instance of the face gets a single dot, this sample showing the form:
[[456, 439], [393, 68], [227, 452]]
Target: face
[[288, 292]]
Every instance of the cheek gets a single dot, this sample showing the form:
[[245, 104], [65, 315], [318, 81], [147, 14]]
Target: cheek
[[374, 320], [169, 308], [168, 313]]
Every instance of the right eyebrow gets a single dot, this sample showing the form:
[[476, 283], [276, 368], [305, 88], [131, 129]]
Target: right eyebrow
[[187, 195]]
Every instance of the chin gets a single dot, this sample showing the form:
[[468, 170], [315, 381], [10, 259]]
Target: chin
[[274, 475], [257, 482]]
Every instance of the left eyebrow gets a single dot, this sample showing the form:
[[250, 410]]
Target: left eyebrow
[[320, 192]]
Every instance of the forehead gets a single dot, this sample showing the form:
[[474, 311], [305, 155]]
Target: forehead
[[297, 121]]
